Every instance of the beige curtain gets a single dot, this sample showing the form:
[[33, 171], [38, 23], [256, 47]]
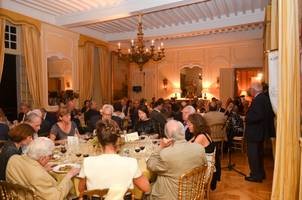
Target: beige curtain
[[274, 25], [2, 31], [267, 40], [86, 66], [105, 75], [96, 93], [287, 162], [270, 33], [31, 44]]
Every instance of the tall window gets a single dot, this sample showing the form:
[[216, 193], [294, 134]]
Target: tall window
[[12, 39]]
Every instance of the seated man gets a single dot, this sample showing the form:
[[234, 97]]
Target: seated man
[[174, 157], [29, 170], [214, 116], [107, 111]]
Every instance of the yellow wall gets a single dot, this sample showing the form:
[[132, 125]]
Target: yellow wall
[[211, 58]]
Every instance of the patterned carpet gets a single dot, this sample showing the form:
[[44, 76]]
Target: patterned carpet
[[233, 186]]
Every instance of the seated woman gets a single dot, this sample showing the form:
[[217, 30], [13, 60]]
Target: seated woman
[[63, 128], [110, 170], [145, 124], [4, 126], [30, 171], [198, 126], [20, 136]]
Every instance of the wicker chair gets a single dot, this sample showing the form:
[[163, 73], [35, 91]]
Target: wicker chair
[[191, 184], [10, 191], [209, 176], [218, 135], [100, 194]]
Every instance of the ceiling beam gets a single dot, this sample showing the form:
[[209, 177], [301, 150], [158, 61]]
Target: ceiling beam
[[233, 20], [124, 9], [225, 8], [38, 6], [204, 15], [193, 12]]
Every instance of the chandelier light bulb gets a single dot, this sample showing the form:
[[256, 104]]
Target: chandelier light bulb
[[137, 53]]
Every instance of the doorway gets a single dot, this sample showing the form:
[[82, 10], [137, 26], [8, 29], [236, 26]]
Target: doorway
[[8, 87]]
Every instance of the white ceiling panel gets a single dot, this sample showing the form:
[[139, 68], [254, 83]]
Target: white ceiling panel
[[117, 19]]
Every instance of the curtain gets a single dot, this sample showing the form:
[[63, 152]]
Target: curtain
[[287, 162], [274, 25], [266, 42], [105, 75], [2, 31], [96, 94], [32, 55], [86, 66]]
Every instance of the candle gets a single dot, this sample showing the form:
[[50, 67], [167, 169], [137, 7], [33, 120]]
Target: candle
[[119, 45], [132, 42], [152, 42], [162, 44], [147, 50], [128, 50], [158, 48]]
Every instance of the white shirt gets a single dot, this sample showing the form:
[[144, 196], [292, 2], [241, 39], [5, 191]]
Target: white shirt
[[109, 170]]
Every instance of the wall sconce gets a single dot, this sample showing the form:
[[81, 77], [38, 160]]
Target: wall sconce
[[165, 83]]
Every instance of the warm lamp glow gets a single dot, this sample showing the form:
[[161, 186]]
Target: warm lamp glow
[[258, 78], [206, 85], [243, 93], [165, 83]]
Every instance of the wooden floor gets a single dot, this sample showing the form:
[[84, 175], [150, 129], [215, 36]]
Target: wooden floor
[[233, 186]]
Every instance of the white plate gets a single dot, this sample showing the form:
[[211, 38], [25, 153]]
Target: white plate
[[58, 168]]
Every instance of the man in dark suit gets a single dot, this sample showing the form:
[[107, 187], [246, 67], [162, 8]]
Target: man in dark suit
[[24, 109], [158, 117], [259, 126]]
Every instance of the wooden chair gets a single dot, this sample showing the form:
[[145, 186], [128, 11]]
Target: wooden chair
[[100, 194], [238, 141], [191, 184], [10, 191], [218, 135]]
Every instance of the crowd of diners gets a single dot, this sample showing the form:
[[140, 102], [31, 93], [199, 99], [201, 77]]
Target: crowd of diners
[[182, 126]]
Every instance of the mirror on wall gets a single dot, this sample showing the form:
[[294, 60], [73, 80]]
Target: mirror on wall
[[191, 82], [59, 74]]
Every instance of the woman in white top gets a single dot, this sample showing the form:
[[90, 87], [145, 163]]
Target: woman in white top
[[110, 170]]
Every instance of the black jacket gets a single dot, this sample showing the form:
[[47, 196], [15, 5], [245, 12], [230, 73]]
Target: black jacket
[[260, 119]]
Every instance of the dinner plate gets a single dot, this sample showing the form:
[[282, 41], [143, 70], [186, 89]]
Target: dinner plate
[[64, 168]]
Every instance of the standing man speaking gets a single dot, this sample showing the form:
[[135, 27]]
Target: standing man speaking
[[259, 126]]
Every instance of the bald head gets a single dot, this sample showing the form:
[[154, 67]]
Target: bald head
[[175, 130]]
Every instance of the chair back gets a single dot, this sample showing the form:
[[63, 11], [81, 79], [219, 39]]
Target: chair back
[[191, 184], [10, 191], [218, 132], [101, 194]]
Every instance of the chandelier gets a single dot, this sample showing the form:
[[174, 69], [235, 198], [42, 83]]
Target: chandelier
[[138, 53]]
